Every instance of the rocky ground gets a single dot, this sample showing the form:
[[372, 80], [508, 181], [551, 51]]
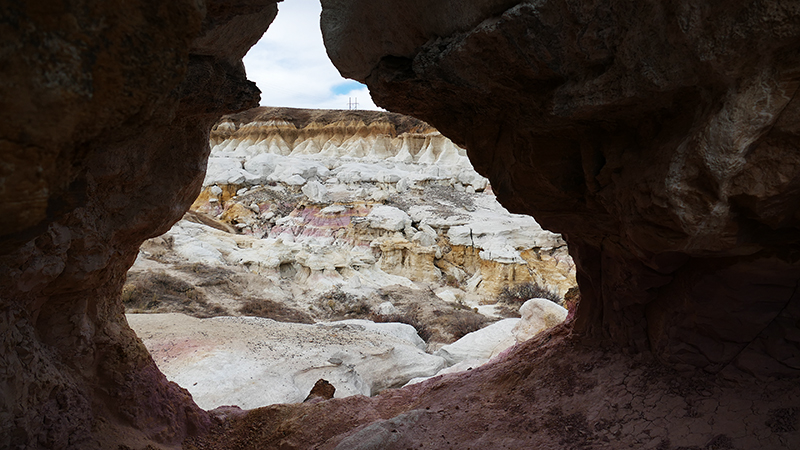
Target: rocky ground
[[576, 396]]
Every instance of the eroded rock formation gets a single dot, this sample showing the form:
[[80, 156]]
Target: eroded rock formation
[[353, 201], [106, 109], [313, 215], [660, 138]]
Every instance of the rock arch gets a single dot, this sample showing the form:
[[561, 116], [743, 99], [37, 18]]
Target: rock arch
[[660, 137]]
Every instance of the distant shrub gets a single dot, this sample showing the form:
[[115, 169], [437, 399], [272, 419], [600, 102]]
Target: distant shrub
[[159, 292], [526, 291], [422, 330], [459, 304], [208, 275], [572, 298], [461, 323], [271, 309], [337, 304], [512, 297], [451, 280]]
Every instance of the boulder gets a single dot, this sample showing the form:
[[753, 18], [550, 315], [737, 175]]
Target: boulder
[[388, 218], [386, 309], [480, 344], [322, 390], [316, 192], [538, 314]]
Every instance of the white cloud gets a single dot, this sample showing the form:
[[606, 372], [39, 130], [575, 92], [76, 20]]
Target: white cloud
[[290, 66]]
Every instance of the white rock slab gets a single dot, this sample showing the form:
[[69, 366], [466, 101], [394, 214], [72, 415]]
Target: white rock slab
[[253, 362], [462, 366], [538, 314]]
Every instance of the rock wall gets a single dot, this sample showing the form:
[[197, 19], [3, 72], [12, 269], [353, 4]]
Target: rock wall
[[106, 109], [660, 138]]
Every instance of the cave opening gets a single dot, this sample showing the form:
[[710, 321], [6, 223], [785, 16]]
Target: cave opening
[[364, 232]]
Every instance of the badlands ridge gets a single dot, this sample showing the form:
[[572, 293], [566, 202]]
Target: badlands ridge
[[312, 216]]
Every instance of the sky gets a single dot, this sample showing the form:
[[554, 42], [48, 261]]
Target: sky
[[290, 66]]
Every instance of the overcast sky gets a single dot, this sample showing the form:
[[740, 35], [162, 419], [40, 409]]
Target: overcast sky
[[290, 66]]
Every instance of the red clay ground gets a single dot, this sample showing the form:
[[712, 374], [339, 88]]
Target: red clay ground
[[553, 392]]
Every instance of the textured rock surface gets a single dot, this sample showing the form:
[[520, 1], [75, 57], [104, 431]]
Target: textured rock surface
[[660, 138], [106, 109], [252, 362]]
